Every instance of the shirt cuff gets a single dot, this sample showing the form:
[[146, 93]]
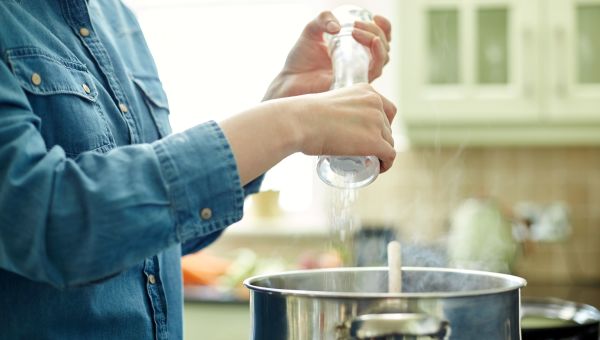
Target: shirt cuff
[[202, 180]]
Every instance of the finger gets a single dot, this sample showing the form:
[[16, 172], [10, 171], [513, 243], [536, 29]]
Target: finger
[[386, 133], [380, 55], [387, 157], [389, 108], [374, 29], [385, 26], [325, 22], [364, 37], [380, 58]]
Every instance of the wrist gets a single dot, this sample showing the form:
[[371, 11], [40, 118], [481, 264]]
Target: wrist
[[304, 114], [287, 115]]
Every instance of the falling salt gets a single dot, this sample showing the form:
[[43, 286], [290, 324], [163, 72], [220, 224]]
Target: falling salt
[[343, 222], [342, 215]]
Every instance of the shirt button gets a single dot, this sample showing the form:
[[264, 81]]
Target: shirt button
[[206, 213], [86, 89], [123, 107], [36, 79], [152, 279], [84, 32]]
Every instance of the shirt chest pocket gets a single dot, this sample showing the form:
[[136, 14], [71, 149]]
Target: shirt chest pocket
[[156, 100], [63, 94]]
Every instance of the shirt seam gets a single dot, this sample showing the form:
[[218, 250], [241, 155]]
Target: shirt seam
[[168, 172]]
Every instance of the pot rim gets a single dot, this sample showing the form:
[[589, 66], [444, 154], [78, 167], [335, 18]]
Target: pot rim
[[555, 308], [516, 283]]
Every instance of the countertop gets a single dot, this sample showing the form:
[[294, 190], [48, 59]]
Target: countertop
[[216, 321]]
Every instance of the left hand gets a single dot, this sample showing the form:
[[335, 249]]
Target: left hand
[[308, 65]]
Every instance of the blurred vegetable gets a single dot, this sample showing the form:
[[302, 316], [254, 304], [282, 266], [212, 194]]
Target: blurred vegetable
[[202, 268]]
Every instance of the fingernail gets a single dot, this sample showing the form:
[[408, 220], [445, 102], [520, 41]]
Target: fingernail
[[333, 26]]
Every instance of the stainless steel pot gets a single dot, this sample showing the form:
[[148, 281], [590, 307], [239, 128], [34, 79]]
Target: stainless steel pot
[[353, 303], [555, 319]]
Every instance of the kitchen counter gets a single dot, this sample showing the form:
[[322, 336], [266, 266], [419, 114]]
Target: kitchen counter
[[216, 321]]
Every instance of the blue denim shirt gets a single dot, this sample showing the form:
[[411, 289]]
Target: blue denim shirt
[[98, 201]]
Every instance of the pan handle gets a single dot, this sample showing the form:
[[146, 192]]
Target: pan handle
[[386, 325]]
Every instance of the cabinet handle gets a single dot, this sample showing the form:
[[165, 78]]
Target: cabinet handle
[[561, 64], [527, 65]]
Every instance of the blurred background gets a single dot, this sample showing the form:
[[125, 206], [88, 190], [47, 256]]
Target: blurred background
[[498, 137]]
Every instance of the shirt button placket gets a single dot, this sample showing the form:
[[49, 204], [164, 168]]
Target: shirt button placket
[[86, 33], [156, 293]]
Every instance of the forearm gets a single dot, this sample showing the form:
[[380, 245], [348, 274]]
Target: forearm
[[263, 136]]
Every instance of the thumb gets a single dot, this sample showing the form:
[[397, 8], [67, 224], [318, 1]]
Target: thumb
[[325, 22]]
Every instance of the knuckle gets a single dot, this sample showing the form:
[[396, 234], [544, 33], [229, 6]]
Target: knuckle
[[374, 99], [365, 86], [324, 16]]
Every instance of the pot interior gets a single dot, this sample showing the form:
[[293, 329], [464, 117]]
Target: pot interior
[[365, 281]]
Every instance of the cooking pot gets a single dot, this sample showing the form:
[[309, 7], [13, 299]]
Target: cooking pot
[[555, 319], [354, 303]]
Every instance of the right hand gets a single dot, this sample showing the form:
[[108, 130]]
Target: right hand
[[352, 121]]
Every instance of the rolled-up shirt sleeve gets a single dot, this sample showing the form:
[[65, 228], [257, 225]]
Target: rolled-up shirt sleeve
[[202, 213], [68, 221]]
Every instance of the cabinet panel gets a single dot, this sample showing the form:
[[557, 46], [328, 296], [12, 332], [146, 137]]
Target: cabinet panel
[[588, 43], [443, 46], [493, 45], [573, 86], [470, 61]]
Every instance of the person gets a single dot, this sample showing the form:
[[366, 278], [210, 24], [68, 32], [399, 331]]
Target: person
[[99, 200]]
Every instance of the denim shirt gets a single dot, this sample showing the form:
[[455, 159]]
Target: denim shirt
[[98, 201]]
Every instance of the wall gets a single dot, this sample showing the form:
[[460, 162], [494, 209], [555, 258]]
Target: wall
[[424, 186]]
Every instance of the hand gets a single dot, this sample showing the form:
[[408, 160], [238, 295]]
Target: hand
[[308, 66], [352, 121]]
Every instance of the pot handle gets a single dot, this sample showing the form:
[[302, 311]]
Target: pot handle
[[372, 326]]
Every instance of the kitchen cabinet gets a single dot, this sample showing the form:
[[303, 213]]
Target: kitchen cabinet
[[501, 71], [573, 29]]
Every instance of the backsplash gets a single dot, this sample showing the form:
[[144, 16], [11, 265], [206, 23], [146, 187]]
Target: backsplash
[[425, 186]]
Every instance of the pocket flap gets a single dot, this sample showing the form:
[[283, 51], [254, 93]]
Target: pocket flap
[[152, 89], [42, 73]]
